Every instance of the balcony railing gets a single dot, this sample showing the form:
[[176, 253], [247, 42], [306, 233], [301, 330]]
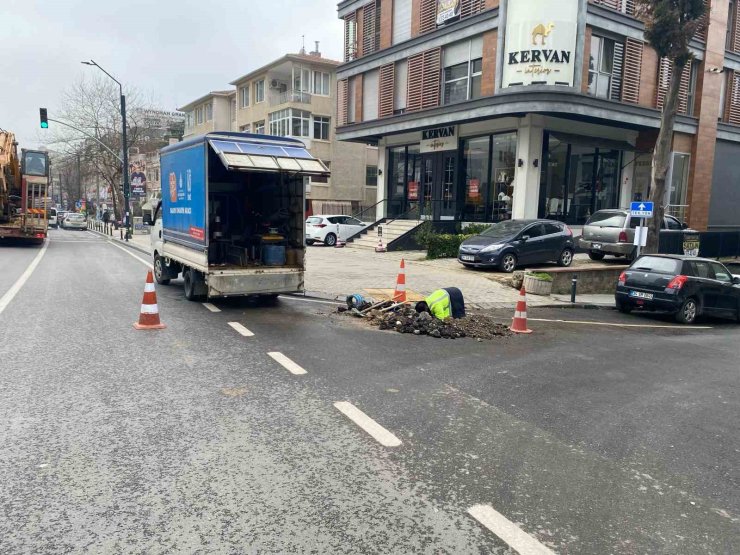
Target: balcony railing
[[284, 97]]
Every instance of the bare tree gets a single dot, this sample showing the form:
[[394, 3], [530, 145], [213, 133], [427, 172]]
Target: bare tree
[[670, 25]]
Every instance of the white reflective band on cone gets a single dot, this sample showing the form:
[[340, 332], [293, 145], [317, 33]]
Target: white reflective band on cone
[[149, 309], [148, 288], [518, 314]]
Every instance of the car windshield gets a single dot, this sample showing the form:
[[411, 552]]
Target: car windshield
[[504, 229], [313, 220], [607, 219], [657, 264]]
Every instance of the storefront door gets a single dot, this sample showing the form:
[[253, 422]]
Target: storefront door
[[438, 173]]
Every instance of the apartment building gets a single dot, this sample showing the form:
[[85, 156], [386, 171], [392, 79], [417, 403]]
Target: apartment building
[[215, 111], [295, 96], [485, 110]]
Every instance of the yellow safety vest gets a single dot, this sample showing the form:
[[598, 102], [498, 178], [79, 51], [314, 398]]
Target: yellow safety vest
[[439, 304]]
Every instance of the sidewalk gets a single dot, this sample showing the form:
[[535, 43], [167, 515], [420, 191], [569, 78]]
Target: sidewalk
[[335, 273]]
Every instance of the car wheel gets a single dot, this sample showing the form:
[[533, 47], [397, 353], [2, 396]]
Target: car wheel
[[159, 271], [596, 255], [310, 242], [566, 258], [624, 308], [508, 262], [688, 312], [330, 240]]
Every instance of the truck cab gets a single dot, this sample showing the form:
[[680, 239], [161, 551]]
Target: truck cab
[[231, 218]]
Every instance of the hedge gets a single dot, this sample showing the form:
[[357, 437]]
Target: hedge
[[444, 245]]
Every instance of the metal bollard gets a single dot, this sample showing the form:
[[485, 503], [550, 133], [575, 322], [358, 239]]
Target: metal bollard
[[573, 288], [121, 230]]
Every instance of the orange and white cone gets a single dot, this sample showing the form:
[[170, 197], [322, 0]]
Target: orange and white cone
[[399, 295], [519, 323], [149, 316], [380, 247]]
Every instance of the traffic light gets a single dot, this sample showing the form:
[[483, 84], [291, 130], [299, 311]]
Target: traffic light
[[44, 119]]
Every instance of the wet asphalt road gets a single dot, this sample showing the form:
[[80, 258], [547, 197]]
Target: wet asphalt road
[[192, 439]]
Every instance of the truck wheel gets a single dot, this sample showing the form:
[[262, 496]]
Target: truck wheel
[[330, 240], [190, 284], [159, 271]]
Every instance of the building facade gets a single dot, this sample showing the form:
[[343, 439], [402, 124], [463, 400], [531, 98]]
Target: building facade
[[485, 110], [295, 96], [215, 111]]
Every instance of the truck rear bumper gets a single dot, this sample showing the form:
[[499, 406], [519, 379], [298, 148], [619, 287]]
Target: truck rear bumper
[[256, 282]]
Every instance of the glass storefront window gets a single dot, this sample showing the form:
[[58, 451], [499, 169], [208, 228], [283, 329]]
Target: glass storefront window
[[404, 180], [504, 166]]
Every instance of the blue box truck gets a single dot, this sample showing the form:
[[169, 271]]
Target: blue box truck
[[231, 218]]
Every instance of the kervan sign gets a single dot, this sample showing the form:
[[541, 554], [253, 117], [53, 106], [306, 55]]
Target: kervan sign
[[438, 139], [540, 42]]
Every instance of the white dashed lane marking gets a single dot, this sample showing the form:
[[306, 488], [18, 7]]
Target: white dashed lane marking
[[211, 307], [378, 432], [288, 364], [21, 281], [508, 531], [241, 329]]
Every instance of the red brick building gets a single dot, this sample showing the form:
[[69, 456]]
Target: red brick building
[[486, 110]]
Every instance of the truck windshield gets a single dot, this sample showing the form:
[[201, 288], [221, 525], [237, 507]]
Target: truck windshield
[[35, 164]]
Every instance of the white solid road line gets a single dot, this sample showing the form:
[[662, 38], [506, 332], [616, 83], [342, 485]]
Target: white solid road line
[[292, 298], [127, 251], [651, 326], [241, 329], [21, 281], [508, 531], [378, 432], [211, 307], [288, 364]]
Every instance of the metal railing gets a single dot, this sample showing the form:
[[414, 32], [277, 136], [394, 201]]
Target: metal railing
[[291, 95], [678, 211]]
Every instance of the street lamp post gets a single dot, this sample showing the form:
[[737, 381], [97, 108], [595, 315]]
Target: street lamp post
[[126, 183]]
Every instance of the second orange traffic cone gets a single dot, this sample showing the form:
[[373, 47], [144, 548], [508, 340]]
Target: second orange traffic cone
[[519, 323], [149, 315], [399, 295]]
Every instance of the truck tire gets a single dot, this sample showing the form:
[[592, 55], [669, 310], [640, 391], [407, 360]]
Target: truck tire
[[191, 284], [160, 272]]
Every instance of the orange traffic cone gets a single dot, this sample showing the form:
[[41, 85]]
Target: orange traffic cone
[[380, 247], [399, 295], [519, 323], [149, 316]]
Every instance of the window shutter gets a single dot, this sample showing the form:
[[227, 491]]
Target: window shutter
[[350, 37], [735, 25], [664, 78], [701, 33], [432, 76], [683, 91], [415, 82], [401, 20], [617, 65], [427, 16], [369, 41], [387, 89], [342, 98], [632, 71], [470, 7], [733, 99]]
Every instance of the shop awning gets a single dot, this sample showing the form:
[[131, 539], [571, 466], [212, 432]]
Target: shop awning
[[594, 142], [258, 156]]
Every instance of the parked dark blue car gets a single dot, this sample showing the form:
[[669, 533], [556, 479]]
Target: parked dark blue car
[[508, 244]]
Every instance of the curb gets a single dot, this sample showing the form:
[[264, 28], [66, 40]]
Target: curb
[[586, 306], [129, 244]]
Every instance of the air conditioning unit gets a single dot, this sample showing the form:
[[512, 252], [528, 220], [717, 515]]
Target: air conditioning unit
[[275, 84]]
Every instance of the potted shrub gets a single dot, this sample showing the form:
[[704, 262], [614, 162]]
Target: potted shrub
[[538, 283]]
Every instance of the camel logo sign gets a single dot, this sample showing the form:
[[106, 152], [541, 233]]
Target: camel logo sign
[[540, 43]]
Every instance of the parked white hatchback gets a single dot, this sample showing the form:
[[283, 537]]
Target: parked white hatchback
[[329, 229]]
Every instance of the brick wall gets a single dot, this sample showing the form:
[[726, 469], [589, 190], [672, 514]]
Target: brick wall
[[386, 23], [358, 98], [649, 77], [490, 42]]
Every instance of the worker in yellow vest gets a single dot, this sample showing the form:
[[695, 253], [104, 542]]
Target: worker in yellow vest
[[443, 304]]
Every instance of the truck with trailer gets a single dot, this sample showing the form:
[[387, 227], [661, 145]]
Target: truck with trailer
[[24, 185], [231, 218]]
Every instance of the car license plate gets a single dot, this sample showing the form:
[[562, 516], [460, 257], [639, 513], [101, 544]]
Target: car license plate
[[596, 246], [467, 257], [641, 295]]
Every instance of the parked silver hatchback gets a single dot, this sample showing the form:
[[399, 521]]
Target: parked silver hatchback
[[613, 232]]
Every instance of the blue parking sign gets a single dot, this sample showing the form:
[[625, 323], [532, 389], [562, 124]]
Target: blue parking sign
[[642, 209]]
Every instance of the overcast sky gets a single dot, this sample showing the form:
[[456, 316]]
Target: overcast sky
[[173, 50]]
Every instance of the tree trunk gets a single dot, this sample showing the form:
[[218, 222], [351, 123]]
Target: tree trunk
[[662, 158]]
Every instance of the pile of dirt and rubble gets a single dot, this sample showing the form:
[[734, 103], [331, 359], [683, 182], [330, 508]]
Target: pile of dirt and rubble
[[405, 319]]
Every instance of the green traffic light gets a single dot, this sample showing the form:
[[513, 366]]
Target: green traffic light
[[44, 125]]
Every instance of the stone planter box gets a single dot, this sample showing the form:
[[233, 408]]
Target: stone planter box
[[537, 286]]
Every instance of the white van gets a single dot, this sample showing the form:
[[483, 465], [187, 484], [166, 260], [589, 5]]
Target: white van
[[51, 215]]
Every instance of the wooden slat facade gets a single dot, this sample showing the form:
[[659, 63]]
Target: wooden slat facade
[[424, 74], [386, 90], [733, 96], [664, 78], [350, 37], [370, 30], [632, 71], [342, 102], [471, 7], [427, 16]]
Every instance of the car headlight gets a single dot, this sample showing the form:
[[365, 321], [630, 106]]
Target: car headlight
[[492, 248]]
